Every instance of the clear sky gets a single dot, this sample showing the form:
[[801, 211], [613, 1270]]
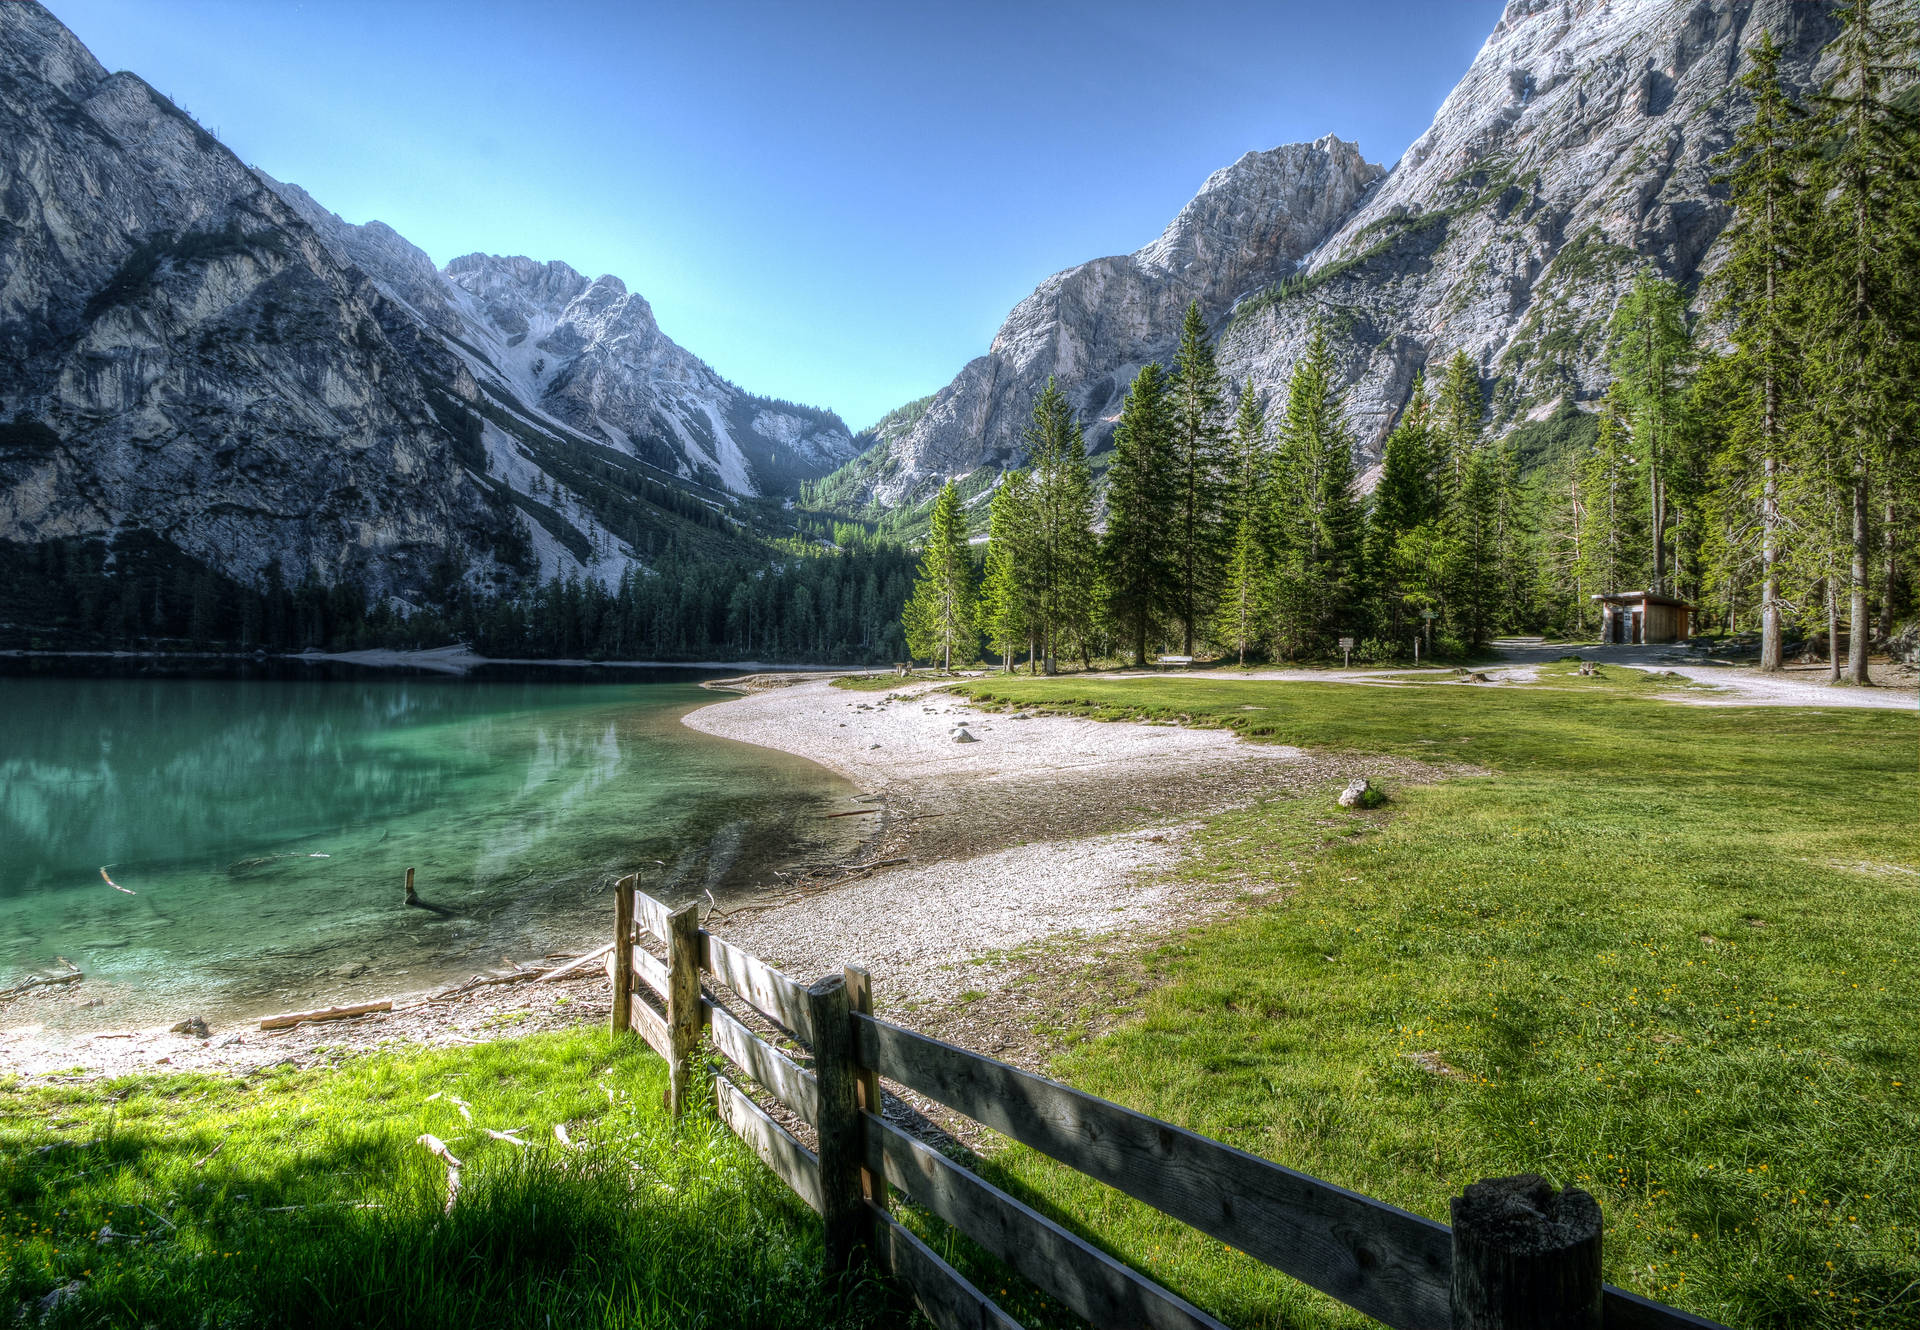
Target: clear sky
[[832, 203]]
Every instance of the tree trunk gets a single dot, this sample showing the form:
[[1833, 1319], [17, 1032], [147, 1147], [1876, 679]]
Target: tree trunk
[[1859, 628], [1770, 564], [1891, 552], [1833, 632]]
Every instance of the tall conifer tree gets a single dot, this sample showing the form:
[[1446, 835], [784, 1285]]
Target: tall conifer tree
[[1062, 542], [1863, 294], [1406, 499], [1138, 569], [1757, 292], [1243, 603], [1198, 464], [939, 618], [1316, 518], [1650, 352], [1007, 600], [1457, 424]]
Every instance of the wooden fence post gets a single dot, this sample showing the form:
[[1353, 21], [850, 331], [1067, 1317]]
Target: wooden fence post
[[839, 1125], [622, 956], [683, 1003], [860, 999], [1526, 1257]]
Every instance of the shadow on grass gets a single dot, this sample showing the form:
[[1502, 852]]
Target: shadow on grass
[[684, 1231]]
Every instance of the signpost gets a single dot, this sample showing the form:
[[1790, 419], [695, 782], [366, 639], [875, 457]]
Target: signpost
[[1346, 652], [1429, 616]]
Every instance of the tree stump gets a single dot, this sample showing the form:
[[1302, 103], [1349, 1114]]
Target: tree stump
[[1526, 1257]]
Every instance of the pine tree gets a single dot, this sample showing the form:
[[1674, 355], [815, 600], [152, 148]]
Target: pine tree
[[1457, 424], [1007, 600], [1650, 351], [1406, 498], [1767, 246], [1515, 575], [1613, 543], [1138, 569], [1198, 463], [1316, 519], [1863, 302], [1243, 602], [1063, 546], [939, 618]]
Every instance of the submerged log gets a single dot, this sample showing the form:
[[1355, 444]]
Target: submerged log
[[43, 981]]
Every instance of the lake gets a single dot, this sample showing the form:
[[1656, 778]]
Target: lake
[[259, 829]]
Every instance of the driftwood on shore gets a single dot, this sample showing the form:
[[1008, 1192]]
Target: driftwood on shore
[[576, 965], [438, 1147], [287, 1020]]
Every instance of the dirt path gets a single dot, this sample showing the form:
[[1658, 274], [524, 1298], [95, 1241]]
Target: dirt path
[[1735, 685]]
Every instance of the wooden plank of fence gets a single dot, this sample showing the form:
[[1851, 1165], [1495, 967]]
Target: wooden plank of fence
[[838, 1126], [1392, 1265], [873, 1183], [1622, 1310], [785, 1079], [1086, 1279], [760, 984], [652, 969], [683, 1004], [941, 1292], [1526, 1254], [650, 1024], [776, 1146], [648, 912], [622, 954]]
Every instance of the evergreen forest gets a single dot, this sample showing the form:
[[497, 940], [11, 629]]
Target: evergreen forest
[[1753, 455]]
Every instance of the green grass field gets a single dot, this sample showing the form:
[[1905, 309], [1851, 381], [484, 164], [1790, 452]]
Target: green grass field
[[319, 1209], [1665, 953]]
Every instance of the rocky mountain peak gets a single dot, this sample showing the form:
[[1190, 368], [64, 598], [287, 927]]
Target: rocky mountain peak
[[39, 46], [1577, 148], [1093, 326], [1264, 205]]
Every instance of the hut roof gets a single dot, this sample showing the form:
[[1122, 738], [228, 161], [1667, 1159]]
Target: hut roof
[[1639, 597]]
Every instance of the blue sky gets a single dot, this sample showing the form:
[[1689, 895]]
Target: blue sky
[[834, 204]]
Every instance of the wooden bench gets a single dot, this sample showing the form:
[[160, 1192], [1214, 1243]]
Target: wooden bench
[[1164, 661]]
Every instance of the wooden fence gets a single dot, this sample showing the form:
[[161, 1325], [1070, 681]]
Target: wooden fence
[[1518, 1256]]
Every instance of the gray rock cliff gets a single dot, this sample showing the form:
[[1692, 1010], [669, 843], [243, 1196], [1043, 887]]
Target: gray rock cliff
[[196, 350], [180, 352]]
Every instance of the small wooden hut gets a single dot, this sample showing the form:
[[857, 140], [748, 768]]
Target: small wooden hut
[[1635, 618]]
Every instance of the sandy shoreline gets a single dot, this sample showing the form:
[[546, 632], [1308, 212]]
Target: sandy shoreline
[[1046, 829]]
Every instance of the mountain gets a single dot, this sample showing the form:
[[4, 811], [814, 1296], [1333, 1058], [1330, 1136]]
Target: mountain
[[1577, 149], [1093, 326], [197, 358], [589, 355]]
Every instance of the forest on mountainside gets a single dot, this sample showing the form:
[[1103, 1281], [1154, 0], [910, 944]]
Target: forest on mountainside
[[1757, 460], [805, 602]]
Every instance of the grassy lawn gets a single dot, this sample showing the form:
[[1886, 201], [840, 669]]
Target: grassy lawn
[[319, 1209], [1665, 953]]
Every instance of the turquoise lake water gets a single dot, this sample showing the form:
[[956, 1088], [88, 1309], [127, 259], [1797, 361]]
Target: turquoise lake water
[[264, 827]]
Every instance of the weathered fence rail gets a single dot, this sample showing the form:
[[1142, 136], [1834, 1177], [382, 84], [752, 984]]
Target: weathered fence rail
[[1405, 1271]]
